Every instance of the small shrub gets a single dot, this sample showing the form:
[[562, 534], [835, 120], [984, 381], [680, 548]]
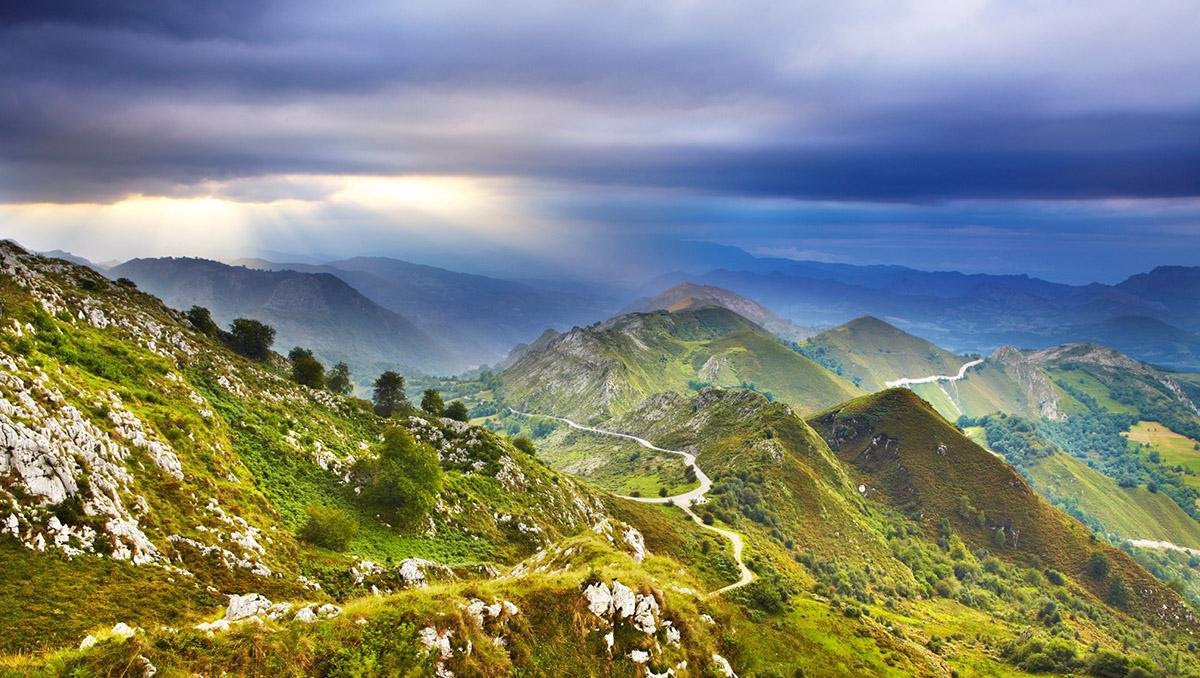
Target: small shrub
[[329, 528], [524, 444]]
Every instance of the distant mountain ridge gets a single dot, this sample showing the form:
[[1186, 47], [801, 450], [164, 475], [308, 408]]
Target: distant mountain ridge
[[314, 310], [688, 296], [473, 315], [978, 312]]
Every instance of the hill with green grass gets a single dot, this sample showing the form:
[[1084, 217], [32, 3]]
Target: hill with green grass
[[168, 506], [871, 353], [908, 457], [608, 368]]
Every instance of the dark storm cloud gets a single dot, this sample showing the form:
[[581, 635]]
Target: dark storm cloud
[[922, 102]]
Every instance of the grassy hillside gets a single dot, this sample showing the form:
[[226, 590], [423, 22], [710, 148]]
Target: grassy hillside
[[870, 352], [147, 471], [150, 477], [608, 368], [911, 458], [314, 310], [1179, 453], [1123, 512]]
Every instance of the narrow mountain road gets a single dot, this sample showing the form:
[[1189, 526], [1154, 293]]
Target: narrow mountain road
[[684, 501], [962, 372], [1163, 546]]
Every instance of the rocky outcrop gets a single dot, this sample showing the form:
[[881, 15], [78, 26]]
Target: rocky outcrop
[[1027, 373]]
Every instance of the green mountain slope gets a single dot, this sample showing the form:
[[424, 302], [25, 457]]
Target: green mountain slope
[[608, 368], [146, 472], [1124, 512], [871, 353]]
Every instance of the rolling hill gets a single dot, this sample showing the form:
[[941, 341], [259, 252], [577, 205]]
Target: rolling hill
[[979, 312], [316, 311], [608, 368], [871, 353], [906, 456]]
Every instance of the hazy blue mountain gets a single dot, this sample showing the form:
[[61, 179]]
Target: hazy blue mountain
[[317, 311], [477, 316]]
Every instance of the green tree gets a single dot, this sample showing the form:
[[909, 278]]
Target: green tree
[[432, 403], [339, 380], [329, 527], [251, 338], [457, 411], [406, 477], [1118, 592], [306, 369], [389, 393], [1099, 565], [201, 319], [524, 444]]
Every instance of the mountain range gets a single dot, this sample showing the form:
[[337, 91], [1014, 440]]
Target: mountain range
[[168, 505]]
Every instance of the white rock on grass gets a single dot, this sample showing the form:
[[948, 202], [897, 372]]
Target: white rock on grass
[[599, 599], [644, 618], [623, 599], [639, 656], [248, 605], [122, 630], [431, 639], [306, 615], [723, 666], [671, 633], [637, 543]]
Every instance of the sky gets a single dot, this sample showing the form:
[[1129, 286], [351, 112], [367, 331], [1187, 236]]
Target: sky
[[1057, 139]]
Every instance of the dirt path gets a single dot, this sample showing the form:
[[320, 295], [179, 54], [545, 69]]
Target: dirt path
[[684, 501]]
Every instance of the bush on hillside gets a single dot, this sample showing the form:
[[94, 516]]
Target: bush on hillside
[[329, 528], [201, 319], [389, 394], [339, 380], [306, 369], [524, 444], [457, 411], [1099, 565], [251, 338], [406, 477]]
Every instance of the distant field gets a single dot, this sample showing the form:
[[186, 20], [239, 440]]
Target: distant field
[[1175, 449]]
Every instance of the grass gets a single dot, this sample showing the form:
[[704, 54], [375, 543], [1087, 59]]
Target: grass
[[1174, 449], [1125, 512]]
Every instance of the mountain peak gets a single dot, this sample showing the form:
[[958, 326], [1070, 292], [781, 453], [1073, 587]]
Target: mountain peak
[[688, 295]]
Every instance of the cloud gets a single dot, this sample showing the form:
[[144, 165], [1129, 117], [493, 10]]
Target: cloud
[[845, 130], [921, 101]]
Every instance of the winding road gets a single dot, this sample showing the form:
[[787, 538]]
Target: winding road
[[962, 371], [684, 501]]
